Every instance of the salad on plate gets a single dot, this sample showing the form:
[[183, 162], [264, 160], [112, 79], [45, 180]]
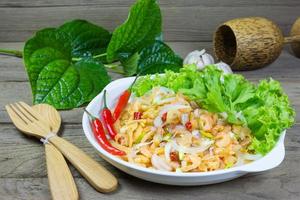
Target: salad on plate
[[198, 121]]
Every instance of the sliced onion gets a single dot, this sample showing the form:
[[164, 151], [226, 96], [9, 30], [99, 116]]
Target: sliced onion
[[240, 160], [207, 141], [248, 156], [157, 99], [197, 113], [158, 122], [242, 157], [224, 115], [193, 150], [168, 148], [196, 133], [184, 118], [153, 128], [165, 90], [159, 163], [167, 100], [142, 144], [131, 155], [169, 107], [179, 127], [157, 137]]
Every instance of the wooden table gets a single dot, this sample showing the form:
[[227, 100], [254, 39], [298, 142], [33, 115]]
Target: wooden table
[[188, 25]]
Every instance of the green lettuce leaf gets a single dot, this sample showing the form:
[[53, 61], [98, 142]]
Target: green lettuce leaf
[[264, 108], [269, 114], [54, 77]]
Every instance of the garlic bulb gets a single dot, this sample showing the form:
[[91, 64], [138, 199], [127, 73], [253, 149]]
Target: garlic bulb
[[200, 58], [224, 67]]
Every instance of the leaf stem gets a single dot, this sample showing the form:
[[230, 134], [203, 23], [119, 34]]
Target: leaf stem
[[119, 71], [76, 59], [104, 99], [115, 68], [100, 55], [9, 52], [96, 56], [111, 66]]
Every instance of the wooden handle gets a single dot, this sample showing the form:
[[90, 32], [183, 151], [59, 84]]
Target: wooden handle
[[101, 179], [291, 39], [62, 185]]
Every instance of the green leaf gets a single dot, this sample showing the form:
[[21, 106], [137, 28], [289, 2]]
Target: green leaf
[[54, 77], [87, 39], [140, 29], [130, 65], [155, 58]]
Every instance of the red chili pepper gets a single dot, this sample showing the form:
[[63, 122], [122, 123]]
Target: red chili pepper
[[174, 156], [188, 126], [108, 119], [100, 136], [123, 100], [137, 115], [164, 117]]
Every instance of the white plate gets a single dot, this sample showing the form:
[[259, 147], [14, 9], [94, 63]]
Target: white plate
[[114, 89]]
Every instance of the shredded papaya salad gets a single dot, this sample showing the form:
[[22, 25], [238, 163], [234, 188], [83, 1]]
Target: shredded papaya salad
[[199, 121]]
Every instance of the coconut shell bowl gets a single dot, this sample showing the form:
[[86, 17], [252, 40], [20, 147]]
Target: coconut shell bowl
[[253, 42]]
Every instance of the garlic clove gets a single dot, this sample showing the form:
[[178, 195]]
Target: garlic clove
[[192, 57], [207, 59], [200, 63], [202, 52], [224, 67], [200, 58], [193, 60], [197, 53]]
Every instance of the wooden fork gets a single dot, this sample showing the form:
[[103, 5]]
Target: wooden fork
[[61, 182], [32, 123]]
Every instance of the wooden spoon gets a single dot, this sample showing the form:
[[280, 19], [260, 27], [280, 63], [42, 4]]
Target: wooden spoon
[[61, 182], [31, 122]]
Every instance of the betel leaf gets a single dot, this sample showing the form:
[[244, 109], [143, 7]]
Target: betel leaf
[[140, 29], [155, 58], [86, 37], [130, 63], [54, 77]]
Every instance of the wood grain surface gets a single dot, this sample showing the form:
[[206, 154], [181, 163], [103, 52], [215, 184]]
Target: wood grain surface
[[182, 20], [188, 25]]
